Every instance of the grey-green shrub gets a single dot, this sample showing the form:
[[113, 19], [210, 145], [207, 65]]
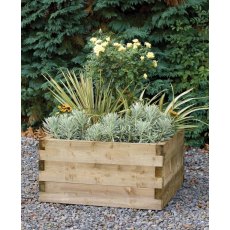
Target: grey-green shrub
[[67, 126], [94, 133], [51, 126], [149, 124], [141, 124], [108, 129], [82, 122]]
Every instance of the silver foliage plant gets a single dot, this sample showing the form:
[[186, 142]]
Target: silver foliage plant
[[148, 124], [67, 126], [141, 124], [108, 129]]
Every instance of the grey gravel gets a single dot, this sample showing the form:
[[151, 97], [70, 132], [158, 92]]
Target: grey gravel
[[187, 210]]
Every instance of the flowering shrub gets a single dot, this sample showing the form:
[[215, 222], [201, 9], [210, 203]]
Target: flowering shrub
[[122, 64]]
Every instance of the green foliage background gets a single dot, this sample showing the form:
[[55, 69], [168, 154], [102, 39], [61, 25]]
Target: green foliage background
[[55, 34]]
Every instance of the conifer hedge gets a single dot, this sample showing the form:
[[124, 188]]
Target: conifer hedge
[[55, 34]]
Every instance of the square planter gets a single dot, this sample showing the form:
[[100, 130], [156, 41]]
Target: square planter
[[115, 174]]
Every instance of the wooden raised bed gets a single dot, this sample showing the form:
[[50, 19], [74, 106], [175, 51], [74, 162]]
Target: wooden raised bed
[[130, 175]]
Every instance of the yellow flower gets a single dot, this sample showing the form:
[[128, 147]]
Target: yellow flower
[[142, 58], [147, 44], [104, 44], [154, 63], [145, 76], [97, 49], [98, 41], [69, 109], [107, 39], [93, 39], [64, 108], [116, 44], [135, 46], [129, 45], [150, 55], [135, 40], [121, 48]]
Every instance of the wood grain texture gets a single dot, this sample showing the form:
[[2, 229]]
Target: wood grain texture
[[101, 152], [173, 146], [129, 175], [98, 190], [174, 157], [119, 175], [171, 188]]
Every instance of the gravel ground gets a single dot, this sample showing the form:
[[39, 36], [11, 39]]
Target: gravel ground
[[187, 210]]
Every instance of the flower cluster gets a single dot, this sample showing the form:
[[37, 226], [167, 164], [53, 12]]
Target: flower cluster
[[124, 64], [65, 108], [99, 45]]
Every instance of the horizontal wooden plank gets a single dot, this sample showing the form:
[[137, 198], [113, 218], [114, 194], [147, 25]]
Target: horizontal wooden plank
[[100, 152], [118, 175], [93, 146], [50, 141], [123, 202], [98, 190], [119, 156]]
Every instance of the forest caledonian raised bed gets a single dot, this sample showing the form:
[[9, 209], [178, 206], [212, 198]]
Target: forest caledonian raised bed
[[115, 174]]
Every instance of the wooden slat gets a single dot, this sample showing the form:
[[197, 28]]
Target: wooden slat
[[174, 157], [106, 156], [51, 141], [174, 146], [171, 167], [98, 190], [129, 175], [137, 176], [101, 152], [123, 202], [172, 187]]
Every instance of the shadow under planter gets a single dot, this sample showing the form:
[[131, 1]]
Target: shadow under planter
[[114, 174]]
